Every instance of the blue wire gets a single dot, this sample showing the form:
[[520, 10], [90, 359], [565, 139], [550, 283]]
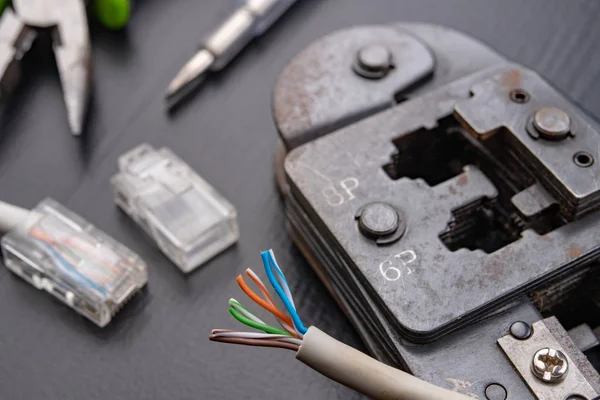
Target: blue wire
[[282, 278], [266, 259], [78, 275], [278, 270]]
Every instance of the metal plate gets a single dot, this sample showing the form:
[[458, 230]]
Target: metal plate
[[318, 92], [437, 361], [491, 110], [520, 353], [423, 286]]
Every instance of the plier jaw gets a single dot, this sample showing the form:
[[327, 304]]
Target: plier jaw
[[71, 43], [16, 39]]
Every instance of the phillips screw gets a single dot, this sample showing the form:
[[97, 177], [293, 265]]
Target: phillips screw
[[550, 365]]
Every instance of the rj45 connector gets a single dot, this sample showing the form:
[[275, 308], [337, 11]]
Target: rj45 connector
[[187, 218]]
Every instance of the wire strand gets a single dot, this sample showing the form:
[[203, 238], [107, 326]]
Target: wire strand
[[282, 279], [269, 266], [257, 335], [242, 310], [255, 342], [261, 302], [284, 320], [267, 303], [284, 285], [262, 327]]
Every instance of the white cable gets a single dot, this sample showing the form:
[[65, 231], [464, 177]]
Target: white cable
[[364, 374], [11, 216]]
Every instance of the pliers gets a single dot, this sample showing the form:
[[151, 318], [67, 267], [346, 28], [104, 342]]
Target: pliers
[[71, 42]]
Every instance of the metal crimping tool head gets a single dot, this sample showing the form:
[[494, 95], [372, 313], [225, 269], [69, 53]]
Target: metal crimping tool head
[[443, 193], [68, 20]]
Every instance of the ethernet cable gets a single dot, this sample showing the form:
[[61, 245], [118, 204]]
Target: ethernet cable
[[11, 216], [318, 350], [57, 251]]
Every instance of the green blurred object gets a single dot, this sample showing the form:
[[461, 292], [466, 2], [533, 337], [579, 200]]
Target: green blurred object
[[113, 14], [3, 4]]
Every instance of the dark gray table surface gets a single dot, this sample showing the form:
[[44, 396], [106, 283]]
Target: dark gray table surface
[[157, 347]]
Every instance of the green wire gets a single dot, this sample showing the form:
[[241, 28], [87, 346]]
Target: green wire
[[256, 325], [234, 302]]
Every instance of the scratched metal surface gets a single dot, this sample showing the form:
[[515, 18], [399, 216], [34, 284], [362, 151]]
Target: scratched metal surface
[[437, 289], [157, 347]]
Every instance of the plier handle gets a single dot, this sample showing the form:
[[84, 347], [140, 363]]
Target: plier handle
[[72, 49], [113, 14]]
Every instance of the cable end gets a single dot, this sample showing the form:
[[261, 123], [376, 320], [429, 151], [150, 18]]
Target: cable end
[[12, 217], [190, 77]]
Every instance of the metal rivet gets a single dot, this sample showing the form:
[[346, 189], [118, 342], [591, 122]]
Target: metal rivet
[[521, 330], [550, 365], [380, 221], [583, 159], [373, 61], [552, 123], [495, 391], [576, 397]]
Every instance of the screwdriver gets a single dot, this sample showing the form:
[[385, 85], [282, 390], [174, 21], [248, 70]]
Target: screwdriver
[[250, 20]]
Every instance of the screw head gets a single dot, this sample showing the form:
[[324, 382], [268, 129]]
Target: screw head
[[552, 123], [550, 365], [373, 61], [521, 330]]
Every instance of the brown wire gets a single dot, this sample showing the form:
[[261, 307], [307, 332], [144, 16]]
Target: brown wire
[[256, 342], [215, 331]]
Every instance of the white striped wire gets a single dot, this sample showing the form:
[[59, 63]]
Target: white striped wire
[[256, 335], [284, 285], [238, 307], [283, 324]]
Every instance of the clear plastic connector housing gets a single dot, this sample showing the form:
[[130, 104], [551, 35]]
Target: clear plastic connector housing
[[187, 218], [58, 251]]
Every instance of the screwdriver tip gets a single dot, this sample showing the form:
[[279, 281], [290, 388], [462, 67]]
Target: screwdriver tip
[[74, 67], [190, 76], [76, 112]]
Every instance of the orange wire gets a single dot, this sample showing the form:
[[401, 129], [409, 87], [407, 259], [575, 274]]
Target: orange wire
[[261, 286], [265, 292], [44, 237], [36, 233], [261, 302]]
